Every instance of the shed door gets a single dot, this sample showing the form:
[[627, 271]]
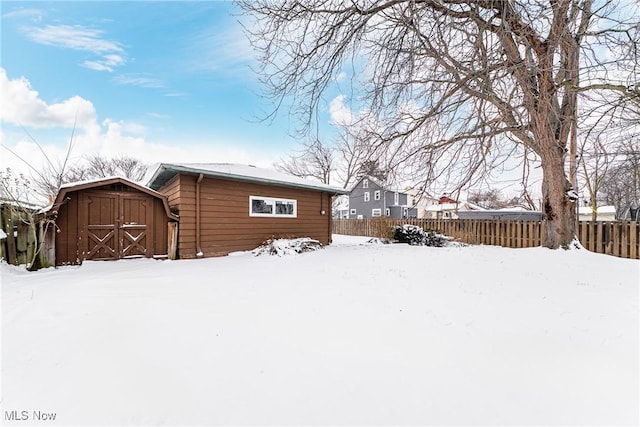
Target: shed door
[[116, 225]]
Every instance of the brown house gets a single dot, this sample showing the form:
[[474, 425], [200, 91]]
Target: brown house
[[226, 207], [107, 219]]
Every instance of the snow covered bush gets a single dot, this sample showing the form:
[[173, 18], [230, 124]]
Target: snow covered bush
[[282, 247], [415, 235]]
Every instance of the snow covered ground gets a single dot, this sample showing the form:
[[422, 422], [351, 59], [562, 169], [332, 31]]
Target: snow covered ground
[[355, 334]]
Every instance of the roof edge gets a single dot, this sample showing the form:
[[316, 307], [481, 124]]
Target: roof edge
[[218, 174]]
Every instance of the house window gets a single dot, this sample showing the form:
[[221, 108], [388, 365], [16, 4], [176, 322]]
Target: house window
[[396, 198], [387, 212], [359, 217], [376, 212], [365, 183], [272, 207], [367, 196], [376, 195], [353, 212], [405, 213]]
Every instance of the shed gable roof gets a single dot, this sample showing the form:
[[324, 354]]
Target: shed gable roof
[[236, 172], [101, 182]]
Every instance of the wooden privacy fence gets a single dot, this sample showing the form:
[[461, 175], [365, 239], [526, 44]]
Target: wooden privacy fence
[[619, 238], [20, 234]]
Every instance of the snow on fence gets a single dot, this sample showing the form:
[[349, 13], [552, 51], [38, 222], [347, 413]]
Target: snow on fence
[[619, 238]]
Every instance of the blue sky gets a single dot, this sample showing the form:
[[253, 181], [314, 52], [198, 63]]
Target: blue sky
[[160, 81]]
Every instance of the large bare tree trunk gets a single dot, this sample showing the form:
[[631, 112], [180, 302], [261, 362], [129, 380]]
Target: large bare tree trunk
[[557, 208]]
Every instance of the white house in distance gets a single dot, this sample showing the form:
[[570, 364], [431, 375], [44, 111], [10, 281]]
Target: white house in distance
[[341, 207], [603, 213], [447, 208], [421, 202]]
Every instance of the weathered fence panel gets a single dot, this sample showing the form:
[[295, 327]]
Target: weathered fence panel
[[618, 238], [21, 233]]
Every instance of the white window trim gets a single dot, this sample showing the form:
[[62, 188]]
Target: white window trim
[[365, 183], [376, 195], [272, 201], [367, 196], [387, 212], [376, 212], [396, 198], [352, 212]]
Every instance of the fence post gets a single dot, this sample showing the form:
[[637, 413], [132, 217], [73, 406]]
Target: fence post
[[633, 240], [600, 238], [624, 239], [12, 257], [616, 238]]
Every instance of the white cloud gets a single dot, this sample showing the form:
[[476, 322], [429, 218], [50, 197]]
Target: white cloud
[[341, 76], [81, 38], [175, 94], [141, 80], [108, 63], [73, 37], [222, 50], [340, 114], [49, 124], [158, 116], [34, 14], [22, 106]]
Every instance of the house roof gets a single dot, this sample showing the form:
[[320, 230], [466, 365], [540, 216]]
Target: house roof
[[99, 182], [377, 182], [237, 172], [459, 206]]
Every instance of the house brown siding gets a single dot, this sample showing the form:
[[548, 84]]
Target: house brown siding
[[77, 215], [224, 210]]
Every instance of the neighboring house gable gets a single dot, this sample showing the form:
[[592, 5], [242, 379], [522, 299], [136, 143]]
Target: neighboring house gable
[[369, 198]]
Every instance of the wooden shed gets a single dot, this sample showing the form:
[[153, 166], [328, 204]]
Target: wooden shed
[[229, 207], [108, 219]]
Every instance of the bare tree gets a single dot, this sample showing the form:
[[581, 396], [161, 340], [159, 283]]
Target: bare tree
[[339, 162], [492, 199], [593, 162], [459, 82], [97, 166], [620, 186], [315, 160], [353, 152]]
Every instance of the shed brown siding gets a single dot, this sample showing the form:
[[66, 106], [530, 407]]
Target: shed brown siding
[[225, 222], [106, 205]]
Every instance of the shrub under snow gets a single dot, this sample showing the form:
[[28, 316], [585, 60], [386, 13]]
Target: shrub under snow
[[415, 235], [282, 247]]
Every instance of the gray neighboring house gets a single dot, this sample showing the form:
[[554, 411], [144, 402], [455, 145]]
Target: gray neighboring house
[[370, 199]]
